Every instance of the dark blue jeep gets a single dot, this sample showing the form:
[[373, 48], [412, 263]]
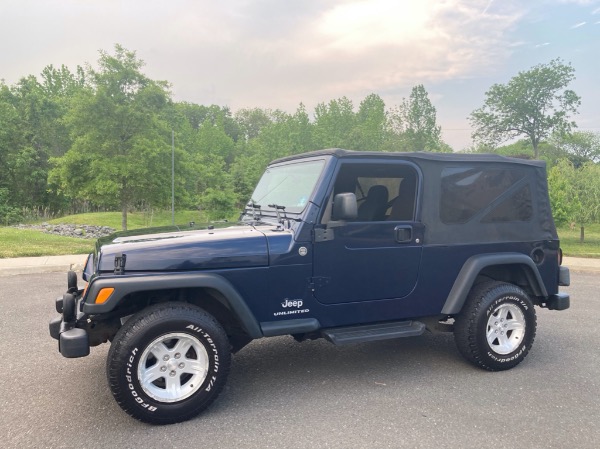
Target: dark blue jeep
[[349, 246]]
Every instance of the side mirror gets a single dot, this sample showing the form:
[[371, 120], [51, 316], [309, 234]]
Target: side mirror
[[344, 207]]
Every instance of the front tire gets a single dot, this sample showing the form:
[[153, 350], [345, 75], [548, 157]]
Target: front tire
[[168, 363], [496, 328]]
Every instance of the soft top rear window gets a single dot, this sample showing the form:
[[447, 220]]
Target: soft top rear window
[[467, 191]]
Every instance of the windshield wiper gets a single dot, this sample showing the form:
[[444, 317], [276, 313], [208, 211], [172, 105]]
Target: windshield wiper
[[278, 208], [255, 207]]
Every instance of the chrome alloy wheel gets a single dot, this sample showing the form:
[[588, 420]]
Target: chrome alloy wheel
[[173, 367], [505, 329]]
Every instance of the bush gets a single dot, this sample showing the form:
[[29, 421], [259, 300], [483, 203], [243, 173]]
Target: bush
[[8, 213], [218, 204]]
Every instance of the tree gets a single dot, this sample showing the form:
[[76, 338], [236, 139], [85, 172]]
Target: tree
[[33, 130], [534, 103], [286, 134], [417, 119], [581, 145], [334, 123], [121, 150], [575, 193], [369, 131], [563, 194], [252, 121]]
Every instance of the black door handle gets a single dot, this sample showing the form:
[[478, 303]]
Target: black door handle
[[403, 233]]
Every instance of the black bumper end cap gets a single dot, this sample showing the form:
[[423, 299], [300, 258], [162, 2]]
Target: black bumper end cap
[[74, 343], [59, 304], [560, 301], [564, 277], [54, 327]]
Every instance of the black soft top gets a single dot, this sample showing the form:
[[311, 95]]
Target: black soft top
[[442, 157], [436, 196]]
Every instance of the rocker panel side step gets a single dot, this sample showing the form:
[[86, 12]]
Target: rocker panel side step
[[372, 332]]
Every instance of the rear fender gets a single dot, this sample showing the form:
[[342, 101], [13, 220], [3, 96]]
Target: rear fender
[[476, 264]]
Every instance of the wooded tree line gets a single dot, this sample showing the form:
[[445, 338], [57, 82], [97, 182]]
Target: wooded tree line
[[99, 138]]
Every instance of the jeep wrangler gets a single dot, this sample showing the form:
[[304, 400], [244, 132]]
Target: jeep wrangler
[[349, 246]]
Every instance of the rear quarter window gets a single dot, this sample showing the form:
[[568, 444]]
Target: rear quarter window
[[466, 192]]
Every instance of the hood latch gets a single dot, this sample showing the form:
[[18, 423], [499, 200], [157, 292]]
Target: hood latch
[[120, 263]]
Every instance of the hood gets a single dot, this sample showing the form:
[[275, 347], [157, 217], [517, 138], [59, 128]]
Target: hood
[[232, 247]]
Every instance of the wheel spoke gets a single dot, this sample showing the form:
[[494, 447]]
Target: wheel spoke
[[151, 374], [159, 350], [502, 343], [173, 386], [491, 335], [195, 367], [515, 325], [182, 346], [502, 313]]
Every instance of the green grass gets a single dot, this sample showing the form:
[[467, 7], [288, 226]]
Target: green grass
[[25, 243], [569, 241], [135, 220]]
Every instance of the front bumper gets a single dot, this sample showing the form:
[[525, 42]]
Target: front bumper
[[73, 341]]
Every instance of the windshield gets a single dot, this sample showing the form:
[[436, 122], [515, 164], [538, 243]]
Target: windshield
[[287, 186]]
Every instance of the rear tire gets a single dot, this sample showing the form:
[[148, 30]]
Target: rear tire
[[168, 363], [496, 327]]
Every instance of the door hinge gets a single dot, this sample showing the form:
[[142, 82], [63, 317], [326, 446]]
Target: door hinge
[[317, 281], [322, 234]]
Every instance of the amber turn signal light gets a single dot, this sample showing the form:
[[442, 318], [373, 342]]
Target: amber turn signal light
[[104, 294]]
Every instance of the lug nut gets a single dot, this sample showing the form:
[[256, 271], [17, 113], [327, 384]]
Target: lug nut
[[177, 355], [172, 373], [165, 358], [181, 365], [163, 368]]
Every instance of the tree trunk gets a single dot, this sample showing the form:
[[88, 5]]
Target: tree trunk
[[581, 234], [124, 204], [536, 151], [124, 217]]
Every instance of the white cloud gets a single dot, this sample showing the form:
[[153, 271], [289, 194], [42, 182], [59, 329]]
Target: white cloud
[[360, 46], [578, 25]]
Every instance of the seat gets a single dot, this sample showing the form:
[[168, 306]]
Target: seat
[[403, 206], [375, 205]]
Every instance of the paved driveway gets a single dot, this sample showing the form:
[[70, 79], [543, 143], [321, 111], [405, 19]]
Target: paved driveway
[[281, 394]]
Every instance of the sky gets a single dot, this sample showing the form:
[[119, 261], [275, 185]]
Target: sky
[[276, 54]]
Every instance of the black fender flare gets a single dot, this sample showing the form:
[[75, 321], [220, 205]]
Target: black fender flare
[[125, 285], [473, 266]]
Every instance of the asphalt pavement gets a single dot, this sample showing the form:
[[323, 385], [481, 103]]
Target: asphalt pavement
[[406, 393]]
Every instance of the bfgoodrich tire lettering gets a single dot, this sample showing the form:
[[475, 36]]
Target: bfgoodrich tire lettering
[[168, 363], [496, 328]]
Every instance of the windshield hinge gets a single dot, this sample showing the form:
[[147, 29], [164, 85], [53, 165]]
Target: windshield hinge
[[120, 260]]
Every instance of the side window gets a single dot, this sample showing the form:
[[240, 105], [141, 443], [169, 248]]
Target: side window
[[516, 207], [383, 191], [467, 191]]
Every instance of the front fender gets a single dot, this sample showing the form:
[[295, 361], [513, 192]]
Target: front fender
[[473, 266], [125, 285]]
